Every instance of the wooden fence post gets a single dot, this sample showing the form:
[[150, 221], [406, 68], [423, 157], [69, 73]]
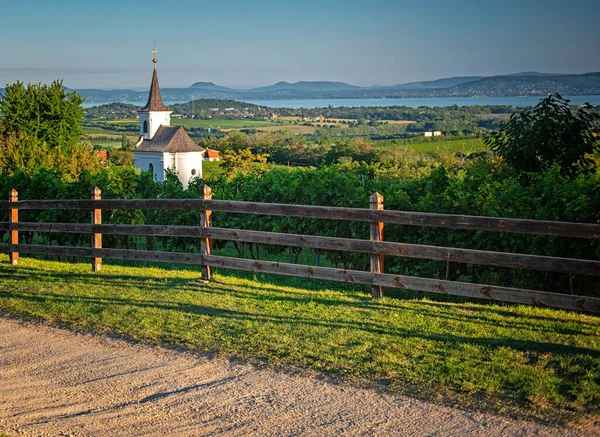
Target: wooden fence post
[[96, 237], [376, 235], [205, 222], [13, 217]]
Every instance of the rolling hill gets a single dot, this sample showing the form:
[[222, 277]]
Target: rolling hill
[[518, 84]]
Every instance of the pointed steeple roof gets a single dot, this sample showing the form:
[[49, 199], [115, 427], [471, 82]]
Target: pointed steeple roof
[[155, 102]]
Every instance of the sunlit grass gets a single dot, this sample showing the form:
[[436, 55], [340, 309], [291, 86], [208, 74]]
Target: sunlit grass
[[533, 360]]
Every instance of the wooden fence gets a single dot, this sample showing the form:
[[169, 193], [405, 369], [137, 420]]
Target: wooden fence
[[376, 247]]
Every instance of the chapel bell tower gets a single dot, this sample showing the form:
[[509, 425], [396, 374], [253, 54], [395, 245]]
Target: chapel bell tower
[[155, 114]]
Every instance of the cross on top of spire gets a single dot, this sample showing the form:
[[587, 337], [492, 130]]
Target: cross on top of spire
[[155, 102]]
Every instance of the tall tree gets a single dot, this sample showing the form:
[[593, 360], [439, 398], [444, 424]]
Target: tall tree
[[40, 128], [49, 113]]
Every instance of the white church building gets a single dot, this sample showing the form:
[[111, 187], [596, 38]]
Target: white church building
[[162, 146]]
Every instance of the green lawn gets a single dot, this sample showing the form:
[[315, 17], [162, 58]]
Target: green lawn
[[514, 358]]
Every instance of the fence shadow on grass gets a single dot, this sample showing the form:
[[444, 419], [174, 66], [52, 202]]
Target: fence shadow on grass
[[365, 326]]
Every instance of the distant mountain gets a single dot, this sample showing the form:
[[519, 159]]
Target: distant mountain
[[210, 86], [439, 83], [533, 73], [517, 85], [181, 94], [108, 93], [303, 87], [528, 83]]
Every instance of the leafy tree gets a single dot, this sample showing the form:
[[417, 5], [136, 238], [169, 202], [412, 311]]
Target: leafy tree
[[24, 153], [241, 160], [548, 134], [41, 128], [49, 113]]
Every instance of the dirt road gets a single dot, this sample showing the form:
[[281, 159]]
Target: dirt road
[[57, 383]]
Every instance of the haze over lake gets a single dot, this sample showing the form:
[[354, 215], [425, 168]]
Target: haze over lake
[[413, 102]]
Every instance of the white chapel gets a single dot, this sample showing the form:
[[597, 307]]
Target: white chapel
[[162, 146]]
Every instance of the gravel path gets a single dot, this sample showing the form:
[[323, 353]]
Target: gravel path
[[54, 383]]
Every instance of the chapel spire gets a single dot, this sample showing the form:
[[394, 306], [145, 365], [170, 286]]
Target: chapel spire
[[155, 102]]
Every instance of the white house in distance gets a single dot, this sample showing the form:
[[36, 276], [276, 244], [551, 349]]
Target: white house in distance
[[162, 146]]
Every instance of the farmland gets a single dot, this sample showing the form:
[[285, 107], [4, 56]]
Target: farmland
[[386, 129], [296, 125], [221, 123], [205, 124]]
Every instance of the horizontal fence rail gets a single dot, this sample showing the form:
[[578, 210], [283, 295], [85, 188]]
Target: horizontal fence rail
[[530, 297], [472, 256], [464, 289], [537, 227], [376, 247]]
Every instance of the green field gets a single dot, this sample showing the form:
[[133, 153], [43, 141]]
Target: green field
[[87, 130], [511, 358], [105, 144], [221, 123], [216, 123]]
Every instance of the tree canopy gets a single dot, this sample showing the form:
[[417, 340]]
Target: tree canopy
[[48, 113], [551, 133], [40, 128]]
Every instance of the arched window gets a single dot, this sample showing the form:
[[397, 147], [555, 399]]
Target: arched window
[[145, 126]]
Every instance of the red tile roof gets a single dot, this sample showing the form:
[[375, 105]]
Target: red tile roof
[[212, 154]]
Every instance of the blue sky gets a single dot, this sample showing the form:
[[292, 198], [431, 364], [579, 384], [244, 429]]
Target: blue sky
[[107, 44]]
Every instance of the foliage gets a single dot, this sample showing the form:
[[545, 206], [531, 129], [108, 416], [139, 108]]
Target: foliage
[[475, 187], [205, 108], [548, 134], [20, 152], [409, 182], [284, 148], [241, 160], [120, 157], [123, 155], [41, 129], [48, 113], [112, 111]]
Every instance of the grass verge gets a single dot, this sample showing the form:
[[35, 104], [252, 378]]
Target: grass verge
[[541, 362]]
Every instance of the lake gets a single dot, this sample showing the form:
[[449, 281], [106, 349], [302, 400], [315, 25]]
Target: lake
[[413, 103]]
